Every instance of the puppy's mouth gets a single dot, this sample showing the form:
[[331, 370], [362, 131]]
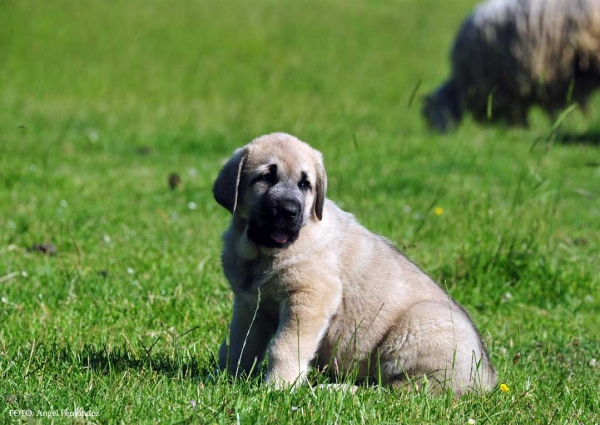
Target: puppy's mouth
[[279, 236], [272, 237]]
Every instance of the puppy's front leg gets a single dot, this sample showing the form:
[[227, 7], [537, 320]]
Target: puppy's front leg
[[304, 318], [250, 331]]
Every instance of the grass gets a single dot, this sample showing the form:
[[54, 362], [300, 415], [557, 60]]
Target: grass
[[101, 101]]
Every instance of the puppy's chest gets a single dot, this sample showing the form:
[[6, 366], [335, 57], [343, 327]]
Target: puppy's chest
[[265, 275]]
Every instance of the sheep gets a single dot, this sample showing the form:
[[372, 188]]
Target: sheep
[[512, 54]]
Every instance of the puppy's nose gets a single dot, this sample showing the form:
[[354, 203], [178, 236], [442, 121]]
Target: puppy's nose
[[288, 209]]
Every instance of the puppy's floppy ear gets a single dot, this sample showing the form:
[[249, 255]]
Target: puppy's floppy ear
[[321, 187], [226, 186]]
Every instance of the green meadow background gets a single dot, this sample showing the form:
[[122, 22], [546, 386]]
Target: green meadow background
[[100, 101]]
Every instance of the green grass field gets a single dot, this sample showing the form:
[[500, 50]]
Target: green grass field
[[101, 100]]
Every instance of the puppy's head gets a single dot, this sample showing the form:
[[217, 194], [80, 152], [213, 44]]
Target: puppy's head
[[276, 184], [442, 109]]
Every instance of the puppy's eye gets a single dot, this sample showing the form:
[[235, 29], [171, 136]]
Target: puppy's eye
[[304, 184], [268, 177]]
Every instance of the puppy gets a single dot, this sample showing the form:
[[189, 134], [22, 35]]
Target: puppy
[[311, 284]]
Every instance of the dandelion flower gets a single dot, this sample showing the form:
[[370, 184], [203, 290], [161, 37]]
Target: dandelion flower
[[504, 388], [471, 421], [438, 211]]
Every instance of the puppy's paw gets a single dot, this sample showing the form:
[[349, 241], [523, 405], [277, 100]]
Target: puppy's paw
[[280, 383]]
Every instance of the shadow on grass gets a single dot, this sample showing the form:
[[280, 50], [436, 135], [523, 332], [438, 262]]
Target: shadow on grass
[[122, 358], [591, 138]]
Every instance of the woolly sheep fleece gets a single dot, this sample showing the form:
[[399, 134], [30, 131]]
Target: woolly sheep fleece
[[517, 53]]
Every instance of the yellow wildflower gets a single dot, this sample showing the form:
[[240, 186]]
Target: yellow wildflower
[[438, 211], [504, 388]]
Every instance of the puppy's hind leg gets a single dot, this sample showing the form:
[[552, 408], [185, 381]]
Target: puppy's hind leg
[[436, 341]]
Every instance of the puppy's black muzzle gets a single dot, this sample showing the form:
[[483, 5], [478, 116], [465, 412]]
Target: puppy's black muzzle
[[277, 222], [286, 210]]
